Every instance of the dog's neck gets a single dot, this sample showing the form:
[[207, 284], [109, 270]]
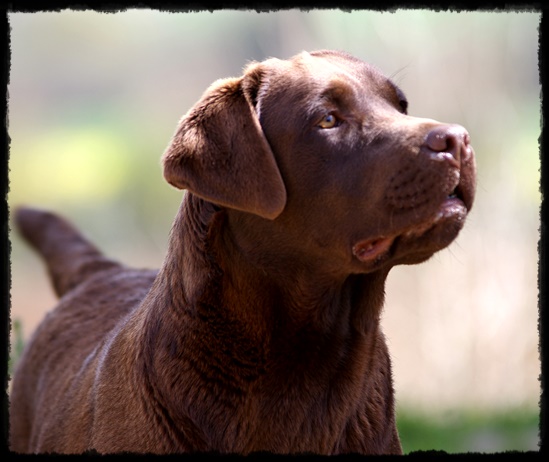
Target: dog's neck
[[259, 332], [210, 285], [206, 260]]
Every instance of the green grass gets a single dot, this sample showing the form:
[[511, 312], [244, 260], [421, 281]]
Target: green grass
[[17, 345], [469, 431]]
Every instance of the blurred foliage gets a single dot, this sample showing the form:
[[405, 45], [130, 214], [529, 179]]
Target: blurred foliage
[[95, 165]]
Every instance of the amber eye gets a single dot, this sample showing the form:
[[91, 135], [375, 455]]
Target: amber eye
[[328, 121]]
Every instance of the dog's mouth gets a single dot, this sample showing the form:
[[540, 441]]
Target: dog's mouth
[[370, 249], [454, 208]]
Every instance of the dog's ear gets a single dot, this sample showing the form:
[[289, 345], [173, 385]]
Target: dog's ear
[[219, 151]]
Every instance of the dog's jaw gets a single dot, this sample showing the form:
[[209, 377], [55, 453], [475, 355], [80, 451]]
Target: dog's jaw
[[430, 197]]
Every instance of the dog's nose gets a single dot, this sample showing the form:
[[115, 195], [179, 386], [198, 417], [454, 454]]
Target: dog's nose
[[448, 141]]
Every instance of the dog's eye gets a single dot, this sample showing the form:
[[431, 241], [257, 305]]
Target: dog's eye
[[404, 106], [328, 121]]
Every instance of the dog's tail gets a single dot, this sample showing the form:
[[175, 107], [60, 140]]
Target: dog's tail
[[70, 258]]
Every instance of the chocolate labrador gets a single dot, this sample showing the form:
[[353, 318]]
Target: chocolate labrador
[[306, 183]]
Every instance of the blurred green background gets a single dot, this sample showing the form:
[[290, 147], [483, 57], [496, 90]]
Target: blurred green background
[[94, 99]]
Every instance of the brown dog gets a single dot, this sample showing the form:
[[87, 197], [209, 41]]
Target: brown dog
[[306, 183]]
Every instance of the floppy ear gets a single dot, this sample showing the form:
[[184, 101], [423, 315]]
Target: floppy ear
[[219, 151]]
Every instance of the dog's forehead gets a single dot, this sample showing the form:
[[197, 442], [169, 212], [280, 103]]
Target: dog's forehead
[[326, 67], [309, 80]]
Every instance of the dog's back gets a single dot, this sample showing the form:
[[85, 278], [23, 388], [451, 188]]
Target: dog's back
[[95, 293]]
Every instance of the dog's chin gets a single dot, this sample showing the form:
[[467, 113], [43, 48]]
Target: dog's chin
[[415, 243], [420, 242]]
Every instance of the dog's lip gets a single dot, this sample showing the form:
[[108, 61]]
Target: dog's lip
[[453, 207], [369, 249], [464, 193]]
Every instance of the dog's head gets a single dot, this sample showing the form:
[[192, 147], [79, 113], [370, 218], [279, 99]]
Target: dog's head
[[318, 156]]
